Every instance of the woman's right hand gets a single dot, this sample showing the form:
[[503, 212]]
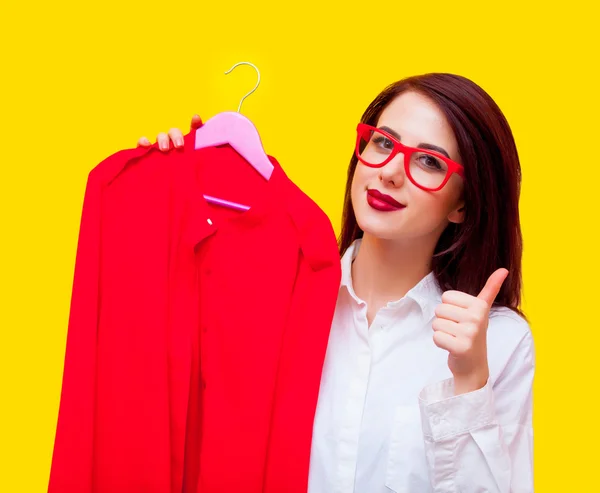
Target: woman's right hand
[[174, 135]]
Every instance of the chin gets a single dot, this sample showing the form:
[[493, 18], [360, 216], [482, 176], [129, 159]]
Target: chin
[[379, 229]]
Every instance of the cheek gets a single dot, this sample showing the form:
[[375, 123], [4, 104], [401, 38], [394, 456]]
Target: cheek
[[440, 204], [453, 194], [359, 183], [431, 208]]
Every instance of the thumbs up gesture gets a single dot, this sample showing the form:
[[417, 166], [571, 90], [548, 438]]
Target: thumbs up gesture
[[460, 327]]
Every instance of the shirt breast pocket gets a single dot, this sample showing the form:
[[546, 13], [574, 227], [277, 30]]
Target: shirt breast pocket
[[407, 464]]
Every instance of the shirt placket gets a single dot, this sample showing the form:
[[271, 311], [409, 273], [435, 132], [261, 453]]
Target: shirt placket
[[208, 302], [357, 392]]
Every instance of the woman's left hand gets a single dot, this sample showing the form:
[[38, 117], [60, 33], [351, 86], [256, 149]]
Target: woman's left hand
[[460, 327]]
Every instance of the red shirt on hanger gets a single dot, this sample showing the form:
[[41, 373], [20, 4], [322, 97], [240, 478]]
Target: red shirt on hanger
[[197, 333]]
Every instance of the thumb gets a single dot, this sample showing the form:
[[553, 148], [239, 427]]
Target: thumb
[[492, 286]]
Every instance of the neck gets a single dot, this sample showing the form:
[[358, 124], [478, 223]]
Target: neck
[[385, 271]]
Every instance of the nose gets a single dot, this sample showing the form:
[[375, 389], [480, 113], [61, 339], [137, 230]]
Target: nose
[[393, 174]]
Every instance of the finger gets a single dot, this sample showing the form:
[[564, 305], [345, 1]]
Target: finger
[[452, 312], [196, 122], [144, 142], [447, 326], [176, 136], [445, 341], [458, 298], [163, 141], [492, 286]]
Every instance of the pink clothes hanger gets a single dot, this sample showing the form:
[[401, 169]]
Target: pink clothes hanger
[[230, 127]]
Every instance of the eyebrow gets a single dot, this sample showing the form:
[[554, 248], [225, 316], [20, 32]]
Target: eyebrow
[[421, 145]]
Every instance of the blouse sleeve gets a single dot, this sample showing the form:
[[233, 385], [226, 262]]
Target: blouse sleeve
[[483, 440]]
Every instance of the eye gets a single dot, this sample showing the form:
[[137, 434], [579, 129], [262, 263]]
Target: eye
[[431, 162], [382, 142]]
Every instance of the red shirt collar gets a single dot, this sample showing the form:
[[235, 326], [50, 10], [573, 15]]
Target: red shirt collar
[[281, 192]]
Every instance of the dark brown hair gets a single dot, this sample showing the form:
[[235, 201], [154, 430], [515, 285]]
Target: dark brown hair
[[490, 236]]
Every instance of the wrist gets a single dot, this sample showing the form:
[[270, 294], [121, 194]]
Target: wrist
[[463, 384]]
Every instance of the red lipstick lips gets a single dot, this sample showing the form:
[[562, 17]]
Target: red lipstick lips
[[382, 202]]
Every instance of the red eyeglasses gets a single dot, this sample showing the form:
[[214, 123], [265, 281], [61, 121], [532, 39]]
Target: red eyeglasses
[[428, 170]]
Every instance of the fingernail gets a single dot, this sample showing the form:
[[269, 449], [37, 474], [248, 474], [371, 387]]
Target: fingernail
[[179, 142]]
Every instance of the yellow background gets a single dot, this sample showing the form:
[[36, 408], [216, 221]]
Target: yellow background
[[81, 81]]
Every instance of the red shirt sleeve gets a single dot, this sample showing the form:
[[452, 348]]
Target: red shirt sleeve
[[71, 469], [303, 353], [91, 403]]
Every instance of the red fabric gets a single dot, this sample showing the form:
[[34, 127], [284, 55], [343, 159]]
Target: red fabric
[[194, 350]]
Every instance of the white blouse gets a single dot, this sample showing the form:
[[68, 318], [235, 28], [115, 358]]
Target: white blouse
[[387, 419]]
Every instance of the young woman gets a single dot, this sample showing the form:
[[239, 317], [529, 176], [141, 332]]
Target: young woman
[[427, 382]]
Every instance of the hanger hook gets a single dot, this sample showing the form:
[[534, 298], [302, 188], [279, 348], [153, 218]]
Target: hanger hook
[[257, 82]]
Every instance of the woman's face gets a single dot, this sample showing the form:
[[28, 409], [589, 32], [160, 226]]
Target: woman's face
[[417, 120]]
